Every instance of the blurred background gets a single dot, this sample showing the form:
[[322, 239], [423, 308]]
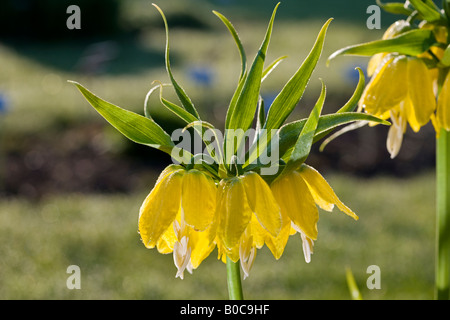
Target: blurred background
[[71, 186]]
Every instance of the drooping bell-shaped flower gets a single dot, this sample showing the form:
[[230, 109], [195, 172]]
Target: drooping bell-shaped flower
[[246, 209], [176, 214], [402, 89], [299, 193]]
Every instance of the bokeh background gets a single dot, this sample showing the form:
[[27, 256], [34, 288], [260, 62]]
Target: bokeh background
[[71, 186]]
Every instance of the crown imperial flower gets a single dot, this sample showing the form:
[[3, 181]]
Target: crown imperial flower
[[229, 196]]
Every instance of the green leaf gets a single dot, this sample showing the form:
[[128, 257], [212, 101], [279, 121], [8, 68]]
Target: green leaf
[[351, 104], [446, 7], [292, 92], [411, 43], [243, 74], [132, 125], [446, 58], [427, 10], [235, 35], [289, 96], [272, 67], [288, 134], [303, 145], [394, 7], [185, 100], [241, 113]]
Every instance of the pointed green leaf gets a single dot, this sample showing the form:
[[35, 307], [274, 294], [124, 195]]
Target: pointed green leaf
[[446, 58], [411, 43], [446, 7], [427, 10], [272, 67], [302, 147], [132, 125], [292, 92], [235, 36], [288, 134], [289, 96], [351, 104], [179, 111], [240, 114], [243, 113], [394, 7], [185, 100]]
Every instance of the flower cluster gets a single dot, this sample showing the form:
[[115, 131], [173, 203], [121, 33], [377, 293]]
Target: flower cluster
[[410, 82], [189, 214], [223, 197]]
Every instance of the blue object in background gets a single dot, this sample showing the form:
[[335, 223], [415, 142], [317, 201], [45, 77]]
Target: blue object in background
[[353, 75], [203, 76], [3, 104]]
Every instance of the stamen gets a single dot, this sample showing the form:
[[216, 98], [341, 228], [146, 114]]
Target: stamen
[[307, 245], [247, 254], [395, 134], [181, 256]]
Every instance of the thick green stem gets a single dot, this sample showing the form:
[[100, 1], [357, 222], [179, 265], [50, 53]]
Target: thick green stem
[[443, 216], [234, 280]]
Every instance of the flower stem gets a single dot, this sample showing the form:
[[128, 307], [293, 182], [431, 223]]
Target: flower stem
[[234, 280], [443, 216]]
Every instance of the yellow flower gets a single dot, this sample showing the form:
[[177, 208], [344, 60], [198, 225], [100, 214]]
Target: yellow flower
[[176, 215], [298, 194], [246, 212], [394, 30], [401, 88]]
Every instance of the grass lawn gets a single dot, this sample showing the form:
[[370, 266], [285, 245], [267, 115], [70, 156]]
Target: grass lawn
[[99, 234]]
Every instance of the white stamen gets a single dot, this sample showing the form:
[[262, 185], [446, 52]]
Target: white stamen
[[307, 245], [181, 256], [247, 254], [395, 134]]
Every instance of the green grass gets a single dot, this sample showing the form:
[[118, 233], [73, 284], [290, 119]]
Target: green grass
[[99, 234]]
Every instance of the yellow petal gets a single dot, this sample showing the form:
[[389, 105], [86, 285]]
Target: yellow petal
[[234, 212], [168, 170], [420, 91], [375, 63], [198, 199], [160, 208], [277, 244], [387, 87], [295, 200], [201, 247], [262, 202], [443, 108], [166, 241], [322, 192]]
